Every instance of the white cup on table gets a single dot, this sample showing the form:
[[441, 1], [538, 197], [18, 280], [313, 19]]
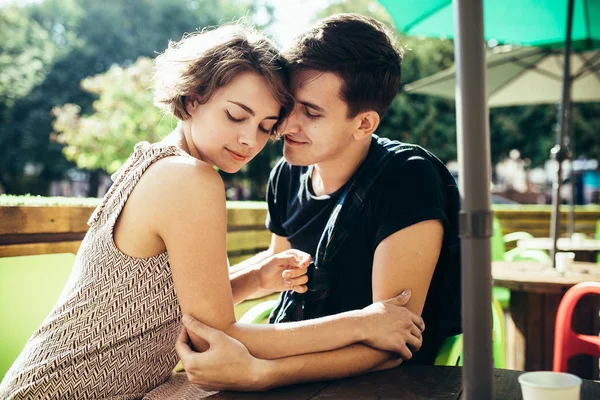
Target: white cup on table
[[548, 385], [564, 260]]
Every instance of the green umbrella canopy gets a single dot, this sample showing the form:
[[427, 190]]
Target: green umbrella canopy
[[521, 22]]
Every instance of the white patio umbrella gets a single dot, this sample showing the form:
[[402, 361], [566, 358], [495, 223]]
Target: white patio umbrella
[[523, 75]]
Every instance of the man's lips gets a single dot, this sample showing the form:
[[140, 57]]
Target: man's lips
[[293, 141]]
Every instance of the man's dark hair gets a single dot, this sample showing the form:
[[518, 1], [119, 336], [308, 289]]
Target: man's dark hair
[[361, 51]]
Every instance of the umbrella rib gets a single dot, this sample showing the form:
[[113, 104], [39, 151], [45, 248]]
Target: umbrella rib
[[536, 69], [588, 65], [425, 16]]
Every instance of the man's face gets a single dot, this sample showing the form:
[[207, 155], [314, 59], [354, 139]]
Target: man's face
[[318, 130]]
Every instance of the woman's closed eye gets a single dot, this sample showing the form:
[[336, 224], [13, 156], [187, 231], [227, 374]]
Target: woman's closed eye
[[239, 120], [232, 118]]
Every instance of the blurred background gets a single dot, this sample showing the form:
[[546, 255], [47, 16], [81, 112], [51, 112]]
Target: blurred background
[[75, 97]]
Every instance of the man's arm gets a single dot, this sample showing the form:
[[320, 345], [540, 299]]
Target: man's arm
[[405, 259]]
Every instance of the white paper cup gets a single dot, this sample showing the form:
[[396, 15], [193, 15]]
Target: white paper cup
[[548, 385], [564, 260]]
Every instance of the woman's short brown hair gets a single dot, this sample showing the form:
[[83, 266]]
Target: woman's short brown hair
[[202, 62]]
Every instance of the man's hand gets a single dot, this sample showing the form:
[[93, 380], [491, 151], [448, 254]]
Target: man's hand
[[226, 365], [284, 271], [393, 327]]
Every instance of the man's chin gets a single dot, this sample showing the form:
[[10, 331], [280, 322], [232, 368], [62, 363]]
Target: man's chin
[[294, 158]]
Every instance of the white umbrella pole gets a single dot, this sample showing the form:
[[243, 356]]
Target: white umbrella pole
[[560, 152], [473, 146]]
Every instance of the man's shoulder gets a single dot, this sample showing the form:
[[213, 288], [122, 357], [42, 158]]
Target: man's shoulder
[[402, 152]]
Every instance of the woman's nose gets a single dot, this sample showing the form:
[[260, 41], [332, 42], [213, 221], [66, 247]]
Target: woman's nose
[[247, 138]]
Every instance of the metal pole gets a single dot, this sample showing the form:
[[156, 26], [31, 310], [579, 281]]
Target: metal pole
[[570, 143], [559, 152], [473, 146]]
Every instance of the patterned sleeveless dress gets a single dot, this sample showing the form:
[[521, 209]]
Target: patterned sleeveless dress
[[113, 331]]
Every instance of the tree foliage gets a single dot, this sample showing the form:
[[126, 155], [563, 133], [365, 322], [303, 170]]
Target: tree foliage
[[123, 116], [61, 42]]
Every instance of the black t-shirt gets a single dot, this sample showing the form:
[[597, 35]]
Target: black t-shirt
[[417, 187]]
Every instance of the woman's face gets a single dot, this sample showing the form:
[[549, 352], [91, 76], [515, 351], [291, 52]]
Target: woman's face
[[235, 124]]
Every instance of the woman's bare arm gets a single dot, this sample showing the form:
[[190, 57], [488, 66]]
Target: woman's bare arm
[[191, 220]]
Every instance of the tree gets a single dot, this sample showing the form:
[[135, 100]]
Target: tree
[[123, 116], [86, 38]]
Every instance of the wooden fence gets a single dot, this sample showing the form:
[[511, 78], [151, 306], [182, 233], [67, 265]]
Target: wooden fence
[[27, 230]]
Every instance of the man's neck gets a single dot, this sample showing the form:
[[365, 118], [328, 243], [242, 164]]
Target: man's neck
[[329, 176]]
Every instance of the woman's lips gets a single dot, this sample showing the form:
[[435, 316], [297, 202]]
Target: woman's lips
[[236, 156]]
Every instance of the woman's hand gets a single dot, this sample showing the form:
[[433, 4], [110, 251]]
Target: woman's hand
[[393, 327], [284, 271], [226, 365]]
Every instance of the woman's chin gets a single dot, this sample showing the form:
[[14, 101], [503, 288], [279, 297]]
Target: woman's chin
[[230, 169]]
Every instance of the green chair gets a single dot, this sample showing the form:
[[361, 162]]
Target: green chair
[[259, 313], [29, 288], [450, 353], [598, 237], [499, 253]]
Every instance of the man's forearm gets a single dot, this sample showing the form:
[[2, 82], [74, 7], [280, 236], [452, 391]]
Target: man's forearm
[[348, 361], [274, 341]]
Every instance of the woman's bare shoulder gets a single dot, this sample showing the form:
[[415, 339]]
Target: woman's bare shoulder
[[180, 176]]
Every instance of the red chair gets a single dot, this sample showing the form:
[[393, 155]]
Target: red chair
[[566, 342]]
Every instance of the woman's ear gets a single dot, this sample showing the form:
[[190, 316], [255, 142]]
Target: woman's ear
[[368, 123], [191, 102]]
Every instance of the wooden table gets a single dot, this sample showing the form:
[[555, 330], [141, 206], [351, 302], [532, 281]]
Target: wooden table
[[536, 291], [585, 250], [410, 383]]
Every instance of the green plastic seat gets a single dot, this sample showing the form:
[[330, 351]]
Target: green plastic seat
[[514, 236], [498, 250], [598, 237], [499, 253], [450, 353], [29, 289], [259, 313]]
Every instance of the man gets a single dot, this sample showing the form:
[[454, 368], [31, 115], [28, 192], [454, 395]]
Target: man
[[377, 216]]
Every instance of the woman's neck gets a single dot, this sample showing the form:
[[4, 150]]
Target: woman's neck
[[181, 137]]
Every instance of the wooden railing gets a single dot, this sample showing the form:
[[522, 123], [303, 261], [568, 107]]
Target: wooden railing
[[28, 230], [536, 220]]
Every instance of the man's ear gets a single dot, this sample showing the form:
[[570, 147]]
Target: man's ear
[[368, 123]]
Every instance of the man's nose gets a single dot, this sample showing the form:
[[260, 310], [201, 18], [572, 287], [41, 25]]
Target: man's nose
[[291, 124]]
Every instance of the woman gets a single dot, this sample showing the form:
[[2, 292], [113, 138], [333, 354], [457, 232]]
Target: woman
[[156, 246]]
